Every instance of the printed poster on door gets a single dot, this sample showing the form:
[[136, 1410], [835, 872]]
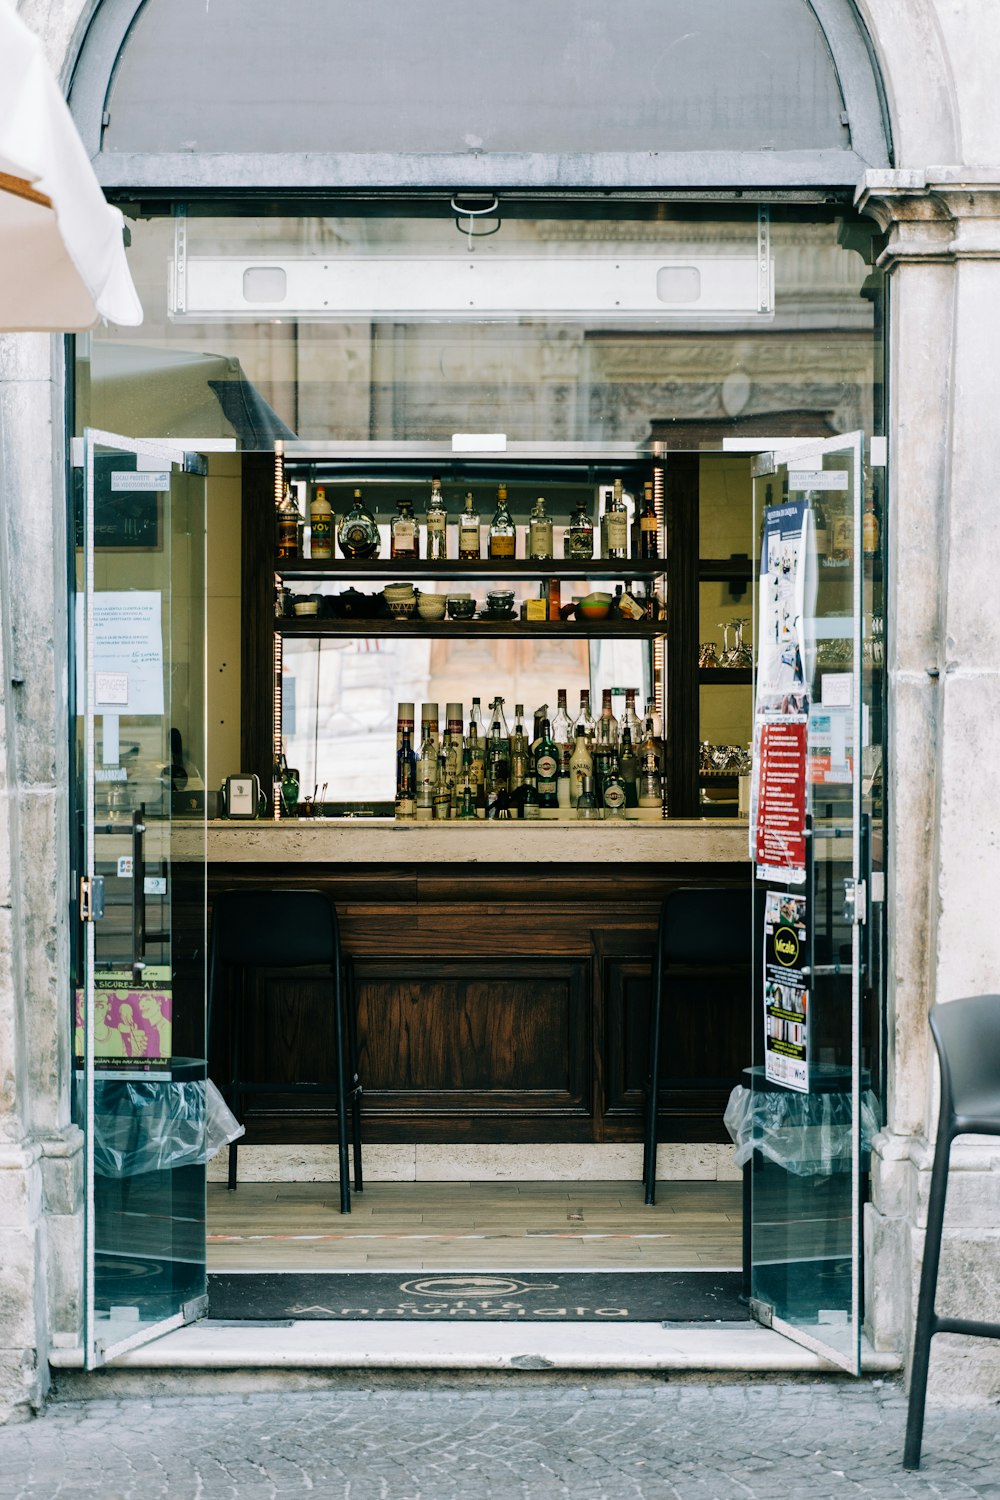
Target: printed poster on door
[[778, 792], [133, 1021], [786, 994]]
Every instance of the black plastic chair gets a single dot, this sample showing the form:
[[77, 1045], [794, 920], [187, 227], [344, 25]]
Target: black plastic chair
[[284, 929], [967, 1036], [703, 930]]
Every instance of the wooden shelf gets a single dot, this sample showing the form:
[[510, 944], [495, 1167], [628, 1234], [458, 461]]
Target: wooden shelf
[[411, 571], [731, 676], [641, 630]]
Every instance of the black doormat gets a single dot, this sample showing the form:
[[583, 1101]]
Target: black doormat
[[480, 1296]]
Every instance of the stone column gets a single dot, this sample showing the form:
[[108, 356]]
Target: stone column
[[943, 656], [40, 1160]]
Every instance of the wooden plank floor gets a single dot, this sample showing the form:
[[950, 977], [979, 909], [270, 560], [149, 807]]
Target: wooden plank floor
[[442, 1226]]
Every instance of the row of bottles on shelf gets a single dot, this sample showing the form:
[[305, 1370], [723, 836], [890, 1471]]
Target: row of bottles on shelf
[[554, 767], [625, 530], [833, 523]]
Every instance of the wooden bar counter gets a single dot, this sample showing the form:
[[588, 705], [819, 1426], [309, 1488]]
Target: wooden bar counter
[[502, 974]]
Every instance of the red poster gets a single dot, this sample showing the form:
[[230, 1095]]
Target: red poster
[[780, 845]]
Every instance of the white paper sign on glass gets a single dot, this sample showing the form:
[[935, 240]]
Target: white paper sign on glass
[[127, 651]]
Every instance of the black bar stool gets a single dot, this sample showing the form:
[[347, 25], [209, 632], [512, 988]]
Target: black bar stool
[[967, 1036], [284, 929], [703, 930]]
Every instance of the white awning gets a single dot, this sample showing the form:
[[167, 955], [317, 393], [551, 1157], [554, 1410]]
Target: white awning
[[62, 254]]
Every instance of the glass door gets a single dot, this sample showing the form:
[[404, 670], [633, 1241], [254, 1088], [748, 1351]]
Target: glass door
[[139, 1032], [810, 843]]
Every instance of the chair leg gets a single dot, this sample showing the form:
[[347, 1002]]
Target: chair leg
[[653, 1088], [341, 1061], [235, 1077], [231, 1184], [355, 1084], [926, 1317]]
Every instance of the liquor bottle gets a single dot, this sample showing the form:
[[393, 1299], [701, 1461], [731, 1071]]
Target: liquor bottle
[[429, 725], [613, 794], [649, 524], [614, 525], [578, 541], [503, 536], [476, 718], [652, 714], [437, 524], [562, 732], [650, 779], [406, 779], [475, 744], [467, 798], [427, 775], [453, 748], [497, 769], [358, 536], [520, 760], [320, 525], [498, 722], [585, 717], [869, 520], [442, 792], [630, 719], [540, 532], [469, 543], [581, 765], [628, 763], [502, 809], [607, 724], [403, 532], [404, 720], [287, 518], [547, 772], [585, 805], [528, 807]]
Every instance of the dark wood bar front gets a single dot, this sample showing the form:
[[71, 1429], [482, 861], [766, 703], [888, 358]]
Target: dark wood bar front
[[497, 1002]]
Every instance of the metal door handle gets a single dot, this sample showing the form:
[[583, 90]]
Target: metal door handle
[[138, 893]]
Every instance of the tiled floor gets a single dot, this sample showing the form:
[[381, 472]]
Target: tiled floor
[[475, 1225]]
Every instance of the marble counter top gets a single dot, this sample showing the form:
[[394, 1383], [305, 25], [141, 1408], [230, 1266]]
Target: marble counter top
[[384, 841]]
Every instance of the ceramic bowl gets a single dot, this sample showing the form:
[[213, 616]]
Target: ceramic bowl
[[402, 609], [431, 606], [594, 607], [307, 607], [461, 608], [500, 600]]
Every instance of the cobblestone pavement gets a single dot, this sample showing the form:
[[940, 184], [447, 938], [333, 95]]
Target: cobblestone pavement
[[704, 1441]]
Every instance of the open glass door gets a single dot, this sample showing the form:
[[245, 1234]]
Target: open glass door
[[139, 1035], [811, 847]]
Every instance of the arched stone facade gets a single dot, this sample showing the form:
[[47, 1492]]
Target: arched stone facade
[[940, 208]]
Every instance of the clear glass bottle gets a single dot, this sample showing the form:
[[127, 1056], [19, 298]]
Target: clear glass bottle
[[404, 534], [406, 779], [650, 778], [630, 719], [547, 771], [467, 797], [470, 548], [503, 534], [613, 791], [427, 774], [499, 722], [614, 525], [562, 732], [497, 764], [443, 790], [540, 532], [585, 717], [607, 724], [578, 541], [476, 718], [358, 536], [649, 524], [520, 763], [581, 765], [585, 804], [437, 524]]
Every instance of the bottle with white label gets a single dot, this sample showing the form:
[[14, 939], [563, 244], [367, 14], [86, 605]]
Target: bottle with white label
[[320, 525], [547, 773], [581, 765], [539, 532], [469, 540], [404, 541], [613, 795], [614, 525], [437, 524]]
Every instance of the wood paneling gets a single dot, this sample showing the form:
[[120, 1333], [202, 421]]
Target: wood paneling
[[493, 1009]]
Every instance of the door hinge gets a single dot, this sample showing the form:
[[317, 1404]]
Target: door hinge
[[855, 901], [91, 898]]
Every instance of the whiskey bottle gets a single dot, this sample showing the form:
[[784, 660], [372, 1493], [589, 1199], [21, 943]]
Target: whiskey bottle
[[469, 542], [628, 763], [503, 536], [540, 532], [519, 757], [547, 772], [869, 520], [358, 536], [614, 525], [406, 779], [403, 532], [320, 525], [578, 541], [287, 519], [528, 807], [581, 765], [437, 524], [650, 780], [649, 525]]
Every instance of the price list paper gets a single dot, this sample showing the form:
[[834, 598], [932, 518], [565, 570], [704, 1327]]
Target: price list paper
[[779, 850]]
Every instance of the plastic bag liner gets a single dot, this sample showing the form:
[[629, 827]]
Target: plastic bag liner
[[808, 1134], [155, 1125]]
